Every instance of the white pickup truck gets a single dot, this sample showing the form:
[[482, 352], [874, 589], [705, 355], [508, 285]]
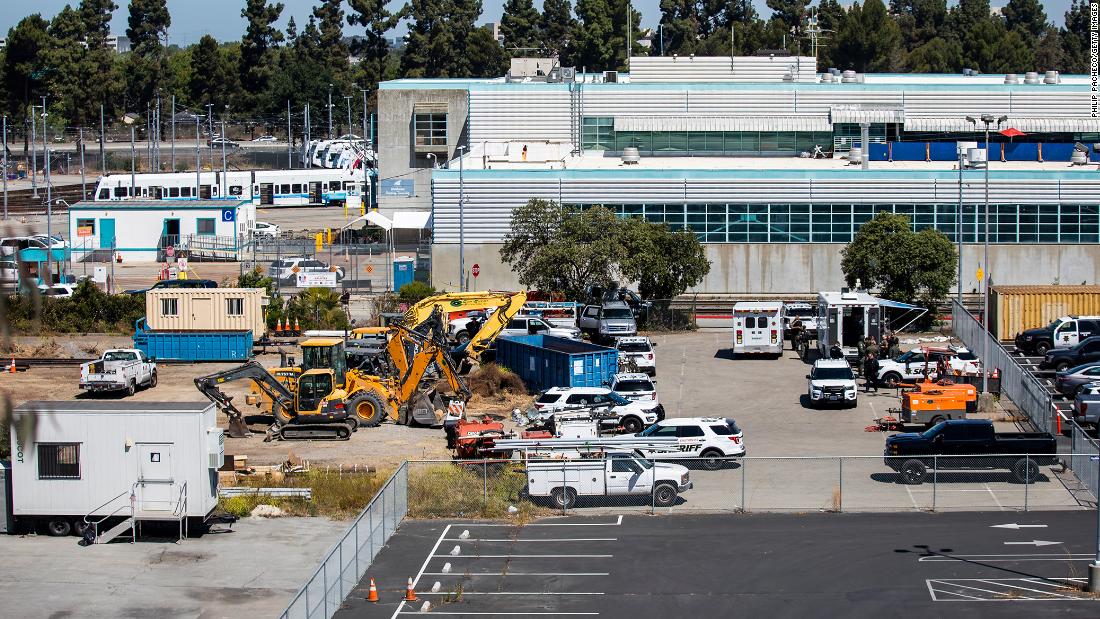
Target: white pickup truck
[[612, 473], [121, 369]]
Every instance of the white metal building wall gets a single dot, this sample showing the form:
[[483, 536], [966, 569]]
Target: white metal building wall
[[489, 202], [504, 114]]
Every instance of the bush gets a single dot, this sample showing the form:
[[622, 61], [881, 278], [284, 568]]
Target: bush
[[414, 292], [336, 494], [88, 310]]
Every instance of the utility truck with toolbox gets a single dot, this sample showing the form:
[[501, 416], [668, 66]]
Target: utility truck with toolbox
[[611, 472], [969, 445], [120, 369]]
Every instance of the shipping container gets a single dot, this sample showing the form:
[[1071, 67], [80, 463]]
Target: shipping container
[[544, 361], [193, 345], [207, 309], [1014, 309], [103, 458]]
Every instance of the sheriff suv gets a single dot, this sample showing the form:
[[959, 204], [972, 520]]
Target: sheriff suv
[[911, 365], [831, 382], [712, 440], [639, 351], [633, 416]]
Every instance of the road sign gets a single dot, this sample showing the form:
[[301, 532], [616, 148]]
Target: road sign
[[475, 270], [229, 214], [980, 274], [370, 269]]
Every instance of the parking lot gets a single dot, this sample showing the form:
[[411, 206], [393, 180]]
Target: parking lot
[[785, 565]]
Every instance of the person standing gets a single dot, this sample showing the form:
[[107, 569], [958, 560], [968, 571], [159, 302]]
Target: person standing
[[835, 351], [796, 332], [893, 346], [870, 372], [873, 347]]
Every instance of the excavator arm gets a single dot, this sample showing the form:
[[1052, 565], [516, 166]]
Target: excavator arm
[[209, 386], [508, 306]]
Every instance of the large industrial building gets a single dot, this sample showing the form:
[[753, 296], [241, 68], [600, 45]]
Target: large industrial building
[[724, 148]]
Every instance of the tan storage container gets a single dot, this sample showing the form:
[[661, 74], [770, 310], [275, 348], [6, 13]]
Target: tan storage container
[[207, 309], [1016, 308]]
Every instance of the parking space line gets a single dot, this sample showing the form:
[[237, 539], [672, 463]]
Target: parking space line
[[557, 539], [955, 584], [498, 573], [994, 495], [465, 592], [617, 522], [498, 614], [933, 591], [1009, 590], [912, 499], [1006, 584], [424, 566], [480, 556], [1008, 558]]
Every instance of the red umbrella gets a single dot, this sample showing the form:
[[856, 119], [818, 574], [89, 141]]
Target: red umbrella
[[1012, 132]]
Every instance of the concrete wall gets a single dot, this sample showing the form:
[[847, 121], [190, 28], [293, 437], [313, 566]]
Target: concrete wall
[[779, 268], [395, 142]]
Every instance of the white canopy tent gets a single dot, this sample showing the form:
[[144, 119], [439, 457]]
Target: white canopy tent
[[402, 220]]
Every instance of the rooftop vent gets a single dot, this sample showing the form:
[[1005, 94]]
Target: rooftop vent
[[1052, 77], [611, 77], [834, 71], [848, 77], [828, 78], [631, 155], [1012, 78], [1031, 77]]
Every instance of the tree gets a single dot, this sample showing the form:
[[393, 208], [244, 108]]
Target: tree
[[965, 16], [1012, 54], [830, 18], [1026, 17], [600, 36], [97, 72], [551, 247], [791, 13], [980, 48], [330, 23], [886, 255], [24, 70], [487, 57], [258, 61], [681, 25], [318, 308], [439, 36], [519, 25], [920, 21], [65, 56], [210, 75], [1050, 52], [1075, 37], [936, 56], [664, 262], [372, 51], [556, 27], [415, 292], [869, 39], [148, 22]]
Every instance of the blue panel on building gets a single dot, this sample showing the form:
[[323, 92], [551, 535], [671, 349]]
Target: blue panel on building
[[543, 361], [397, 188], [910, 151], [1057, 152], [943, 151], [1021, 151], [879, 151]]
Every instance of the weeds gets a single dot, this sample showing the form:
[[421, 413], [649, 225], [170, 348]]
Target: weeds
[[468, 491], [336, 494]]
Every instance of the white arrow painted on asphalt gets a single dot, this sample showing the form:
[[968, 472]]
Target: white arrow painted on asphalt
[[1018, 526], [1037, 542]]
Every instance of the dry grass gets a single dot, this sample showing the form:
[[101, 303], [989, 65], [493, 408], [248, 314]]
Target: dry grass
[[336, 494], [468, 491], [493, 381]]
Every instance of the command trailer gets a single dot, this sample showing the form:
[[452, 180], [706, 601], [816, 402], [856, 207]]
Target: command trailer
[[108, 466]]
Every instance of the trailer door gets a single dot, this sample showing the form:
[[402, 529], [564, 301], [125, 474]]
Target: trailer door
[[155, 483]]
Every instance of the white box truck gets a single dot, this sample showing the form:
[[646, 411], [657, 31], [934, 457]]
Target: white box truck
[[110, 465], [606, 473], [758, 328]]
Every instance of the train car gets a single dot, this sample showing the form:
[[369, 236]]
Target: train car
[[311, 186]]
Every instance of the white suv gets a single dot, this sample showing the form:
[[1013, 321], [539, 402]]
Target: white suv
[[632, 416], [831, 381], [712, 439], [533, 325], [910, 366], [634, 386], [638, 350]]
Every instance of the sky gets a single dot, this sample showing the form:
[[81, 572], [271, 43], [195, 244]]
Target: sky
[[191, 19]]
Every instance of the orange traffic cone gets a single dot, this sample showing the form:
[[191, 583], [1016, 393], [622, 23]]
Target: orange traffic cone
[[278, 326], [297, 329], [372, 595], [11, 368], [996, 373], [410, 595]]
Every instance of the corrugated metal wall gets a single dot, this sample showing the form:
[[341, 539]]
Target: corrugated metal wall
[[489, 202], [518, 114], [1016, 308], [206, 309], [645, 69]]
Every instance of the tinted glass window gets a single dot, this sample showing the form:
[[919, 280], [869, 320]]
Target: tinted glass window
[[1087, 325], [832, 374], [639, 347], [579, 399], [548, 398], [732, 425], [689, 431], [750, 322], [617, 313], [660, 431], [967, 356], [626, 386], [721, 430], [517, 324], [621, 465]]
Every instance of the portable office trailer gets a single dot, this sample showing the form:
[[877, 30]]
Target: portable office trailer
[[88, 458], [5, 496], [207, 309], [545, 361], [1013, 309], [758, 327], [846, 317]]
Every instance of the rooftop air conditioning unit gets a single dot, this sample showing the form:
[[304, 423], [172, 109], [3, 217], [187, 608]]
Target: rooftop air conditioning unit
[[978, 157], [611, 77], [554, 76], [631, 156], [568, 74], [1051, 77]]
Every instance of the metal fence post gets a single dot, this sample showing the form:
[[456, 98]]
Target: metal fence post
[[309, 611], [1027, 471], [840, 477], [324, 588], [485, 484], [357, 547], [744, 506], [340, 572], [370, 524], [935, 480]]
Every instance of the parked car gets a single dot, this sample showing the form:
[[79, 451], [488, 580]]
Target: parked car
[[265, 139], [634, 386], [639, 351], [533, 325], [176, 283], [1069, 382], [218, 142], [911, 454], [803, 311], [713, 439], [610, 320], [911, 365], [831, 381], [62, 290], [121, 369], [1063, 332], [1061, 359], [55, 241], [614, 473], [263, 228], [288, 268], [11, 246], [1086, 406], [632, 416]]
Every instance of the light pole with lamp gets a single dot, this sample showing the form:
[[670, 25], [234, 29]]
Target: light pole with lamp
[[130, 118], [5, 156], [34, 154], [347, 102], [461, 223], [367, 190], [330, 111], [225, 168], [988, 119]]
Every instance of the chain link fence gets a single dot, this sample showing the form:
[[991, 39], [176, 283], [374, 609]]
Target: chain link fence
[[347, 562]]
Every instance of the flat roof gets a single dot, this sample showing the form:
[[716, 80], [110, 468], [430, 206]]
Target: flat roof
[[105, 406], [90, 205]]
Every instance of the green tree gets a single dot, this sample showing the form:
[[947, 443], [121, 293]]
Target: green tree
[[98, 71], [886, 255], [330, 22], [791, 13], [148, 22], [211, 78], [414, 292], [980, 47], [1050, 54], [600, 36], [487, 57], [1012, 54], [664, 262], [830, 18], [556, 26], [681, 26], [258, 58], [318, 308], [965, 16], [65, 56], [939, 55], [920, 21], [1075, 37], [376, 21], [439, 38], [869, 39], [25, 70], [1027, 17], [519, 25]]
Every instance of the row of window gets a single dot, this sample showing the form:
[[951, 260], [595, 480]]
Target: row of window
[[234, 306], [204, 226], [430, 129], [599, 137], [837, 223], [157, 192]]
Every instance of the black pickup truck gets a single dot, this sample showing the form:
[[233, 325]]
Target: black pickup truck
[[914, 454]]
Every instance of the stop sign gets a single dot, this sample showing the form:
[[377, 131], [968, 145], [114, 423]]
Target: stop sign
[[475, 270]]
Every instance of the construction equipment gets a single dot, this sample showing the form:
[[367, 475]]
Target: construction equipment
[[930, 402], [315, 409]]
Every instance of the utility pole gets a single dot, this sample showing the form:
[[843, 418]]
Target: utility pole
[[198, 154], [173, 133], [367, 191], [289, 139], [83, 181], [5, 155], [959, 230], [347, 101], [46, 177], [225, 168], [102, 139], [133, 164]]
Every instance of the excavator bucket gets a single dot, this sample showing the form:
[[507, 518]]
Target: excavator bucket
[[237, 427], [423, 409]]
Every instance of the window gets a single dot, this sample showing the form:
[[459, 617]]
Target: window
[[234, 306], [582, 399], [104, 194], [169, 307], [689, 432], [205, 226], [85, 227], [623, 465], [598, 133], [659, 430], [430, 129], [284, 189], [296, 188], [122, 192], [631, 386], [173, 192], [548, 398], [750, 322], [59, 461], [721, 430], [186, 192]]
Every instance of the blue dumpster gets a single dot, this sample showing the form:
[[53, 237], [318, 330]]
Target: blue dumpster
[[544, 361], [193, 345]]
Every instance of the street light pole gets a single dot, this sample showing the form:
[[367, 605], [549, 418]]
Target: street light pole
[[198, 155], [5, 156], [46, 174], [367, 190], [289, 139], [959, 232], [133, 170], [173, 133], [34, 154], [461, 225], [330, 111]]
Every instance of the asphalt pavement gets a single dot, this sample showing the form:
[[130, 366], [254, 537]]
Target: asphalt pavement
[[774, 565]]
